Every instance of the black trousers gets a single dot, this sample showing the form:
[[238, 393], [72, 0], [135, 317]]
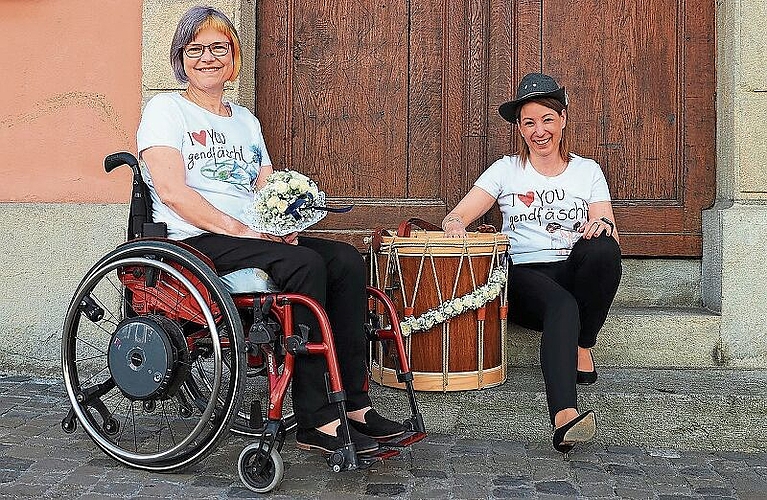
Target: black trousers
[[568, 301], [334, 274]]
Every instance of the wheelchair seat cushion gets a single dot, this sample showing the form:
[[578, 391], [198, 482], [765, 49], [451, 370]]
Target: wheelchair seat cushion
[[251, 280]]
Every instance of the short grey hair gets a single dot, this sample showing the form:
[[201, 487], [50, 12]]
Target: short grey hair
[[188, 27]]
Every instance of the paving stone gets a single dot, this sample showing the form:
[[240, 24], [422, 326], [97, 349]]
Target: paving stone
[[556, 488], [636, 494], [506, 492], [429, 493], [597, 490], [714, 490], [624, 470], [386, 490], [438, 474], [24, 490]]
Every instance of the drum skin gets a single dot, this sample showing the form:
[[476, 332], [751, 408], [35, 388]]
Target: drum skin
[[419, 273]]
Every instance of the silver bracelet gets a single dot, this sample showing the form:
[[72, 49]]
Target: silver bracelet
[[451, 218]]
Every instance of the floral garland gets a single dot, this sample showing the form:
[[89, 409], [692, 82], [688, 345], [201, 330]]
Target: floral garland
[[286, 204], [453, 307]]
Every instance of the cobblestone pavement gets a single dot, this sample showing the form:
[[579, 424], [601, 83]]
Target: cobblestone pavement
[[37, 460]]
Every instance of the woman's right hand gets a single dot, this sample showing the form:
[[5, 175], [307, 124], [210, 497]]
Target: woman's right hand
[[290, 239], [454, 228]]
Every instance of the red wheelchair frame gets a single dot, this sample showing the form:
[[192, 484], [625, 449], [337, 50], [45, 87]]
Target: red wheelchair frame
[[177, 359]]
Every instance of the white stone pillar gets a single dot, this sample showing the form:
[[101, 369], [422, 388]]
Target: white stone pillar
[[735, 229]]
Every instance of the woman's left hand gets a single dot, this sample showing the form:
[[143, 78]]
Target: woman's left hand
[[601, 221], [290, 239], [597, 227]]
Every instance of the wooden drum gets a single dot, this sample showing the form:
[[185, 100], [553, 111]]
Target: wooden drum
[[423, 272]]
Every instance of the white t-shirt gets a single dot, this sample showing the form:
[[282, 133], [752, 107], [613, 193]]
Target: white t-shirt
[[541, 214], [222, 155]]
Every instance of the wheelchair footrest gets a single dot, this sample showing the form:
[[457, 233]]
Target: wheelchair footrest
[[403, 440], [366, 460]]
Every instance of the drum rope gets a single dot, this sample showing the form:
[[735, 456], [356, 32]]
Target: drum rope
[[480, 349], [445, 353]]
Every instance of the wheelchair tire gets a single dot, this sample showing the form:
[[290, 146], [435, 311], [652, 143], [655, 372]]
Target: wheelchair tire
[[260, 481], [153, 356]]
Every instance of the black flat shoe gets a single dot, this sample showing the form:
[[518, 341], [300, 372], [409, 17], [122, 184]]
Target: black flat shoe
[[581, 429], [378, 427], [587, 378], [313, 439]]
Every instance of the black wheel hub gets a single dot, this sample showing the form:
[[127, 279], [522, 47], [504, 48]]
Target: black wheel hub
[[148, 357]]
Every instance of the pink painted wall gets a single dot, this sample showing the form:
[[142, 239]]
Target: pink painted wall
[[70, 94]]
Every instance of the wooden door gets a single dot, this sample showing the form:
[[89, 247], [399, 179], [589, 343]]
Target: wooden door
[[392, 106]]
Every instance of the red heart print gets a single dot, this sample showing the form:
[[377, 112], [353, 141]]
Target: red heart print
[[202, 137], [527, 198]]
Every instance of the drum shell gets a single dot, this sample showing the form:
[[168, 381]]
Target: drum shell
[[425, 270]]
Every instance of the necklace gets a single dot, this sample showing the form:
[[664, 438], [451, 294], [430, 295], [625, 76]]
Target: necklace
[[223, 109], [555, 172]]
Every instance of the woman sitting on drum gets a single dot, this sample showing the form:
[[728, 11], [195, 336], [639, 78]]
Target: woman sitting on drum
[[205, 157], [566, 262]]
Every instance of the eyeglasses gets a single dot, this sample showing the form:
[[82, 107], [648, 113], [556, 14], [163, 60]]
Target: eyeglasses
[[196, 50]]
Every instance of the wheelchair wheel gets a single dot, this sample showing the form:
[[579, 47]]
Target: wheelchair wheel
[[153, 356], [260, 471]]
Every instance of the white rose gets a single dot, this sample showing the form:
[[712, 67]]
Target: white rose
[[281, 187], [272, 201], [282, 205]]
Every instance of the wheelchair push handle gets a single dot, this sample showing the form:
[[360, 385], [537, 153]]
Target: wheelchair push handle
[[115, 160]]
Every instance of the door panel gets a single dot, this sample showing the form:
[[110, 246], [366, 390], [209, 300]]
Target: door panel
[[641, 83], [392, 106]]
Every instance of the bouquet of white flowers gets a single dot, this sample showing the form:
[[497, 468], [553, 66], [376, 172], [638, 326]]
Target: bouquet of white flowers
[[289, 202]]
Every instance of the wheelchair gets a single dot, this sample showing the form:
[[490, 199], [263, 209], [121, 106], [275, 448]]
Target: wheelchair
[[162, 357]]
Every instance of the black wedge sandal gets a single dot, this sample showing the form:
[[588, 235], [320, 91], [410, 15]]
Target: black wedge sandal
[[581, 429], [587, 378]]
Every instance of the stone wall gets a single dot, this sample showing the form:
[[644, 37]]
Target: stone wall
[[735, 229]]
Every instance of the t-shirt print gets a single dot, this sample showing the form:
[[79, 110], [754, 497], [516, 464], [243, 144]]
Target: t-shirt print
[[220, 161]]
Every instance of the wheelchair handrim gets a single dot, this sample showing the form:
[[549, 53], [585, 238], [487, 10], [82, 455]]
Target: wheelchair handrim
[[74, 315]]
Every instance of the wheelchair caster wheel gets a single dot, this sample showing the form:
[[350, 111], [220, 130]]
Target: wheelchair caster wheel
[[69, 425], [260, 471], [111, 427], [336, 461]]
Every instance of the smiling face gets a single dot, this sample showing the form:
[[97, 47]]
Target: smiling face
[[208, 72], [541, 127]]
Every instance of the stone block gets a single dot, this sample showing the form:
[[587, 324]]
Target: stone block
[[46, 251], [752, 180], [744, 238], [649, 337], [753, 32]]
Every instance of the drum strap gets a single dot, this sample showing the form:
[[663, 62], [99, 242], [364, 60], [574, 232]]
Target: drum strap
[[407, 225]]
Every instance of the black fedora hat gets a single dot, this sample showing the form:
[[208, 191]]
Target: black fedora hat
[[532, 85]]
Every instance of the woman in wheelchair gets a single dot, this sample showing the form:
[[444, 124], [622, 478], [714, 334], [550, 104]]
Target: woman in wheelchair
[[202, 158]]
